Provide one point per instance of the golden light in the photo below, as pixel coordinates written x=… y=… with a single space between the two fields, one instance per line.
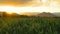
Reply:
x=53 y=7
x=18 y=10
x=6 y=8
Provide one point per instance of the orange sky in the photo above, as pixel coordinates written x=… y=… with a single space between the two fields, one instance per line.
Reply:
x=30 y=5
x=23 y=3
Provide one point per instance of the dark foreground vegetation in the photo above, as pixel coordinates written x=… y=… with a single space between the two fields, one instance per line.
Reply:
x=30 y=25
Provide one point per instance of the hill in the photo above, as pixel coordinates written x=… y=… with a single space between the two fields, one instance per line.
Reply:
x=44 y=14
x=57 y=14
x=37 y=14
x=29 y=14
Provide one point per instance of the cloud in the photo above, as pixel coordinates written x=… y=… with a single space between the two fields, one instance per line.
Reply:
x=23 y=1
x=17 y=1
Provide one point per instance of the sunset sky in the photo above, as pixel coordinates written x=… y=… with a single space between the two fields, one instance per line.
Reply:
x=30 y=5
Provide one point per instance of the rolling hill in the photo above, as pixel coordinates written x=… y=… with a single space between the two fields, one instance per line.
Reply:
x=36 y=14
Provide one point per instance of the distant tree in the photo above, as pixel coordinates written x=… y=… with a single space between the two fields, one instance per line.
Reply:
x=4 y=14
x=23 y=16
x=1 y=14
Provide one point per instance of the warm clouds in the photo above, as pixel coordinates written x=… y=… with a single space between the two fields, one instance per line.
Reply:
x=28 y=2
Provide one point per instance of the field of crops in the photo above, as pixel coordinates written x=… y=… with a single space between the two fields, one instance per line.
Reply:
x=31 y=25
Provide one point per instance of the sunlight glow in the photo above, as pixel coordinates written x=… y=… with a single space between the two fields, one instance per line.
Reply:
x=53 y=7
x=11 y=9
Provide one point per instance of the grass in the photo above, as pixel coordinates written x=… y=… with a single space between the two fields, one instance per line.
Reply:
x=31 y=25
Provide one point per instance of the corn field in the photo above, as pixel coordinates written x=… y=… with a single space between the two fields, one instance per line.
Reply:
x=31 y=25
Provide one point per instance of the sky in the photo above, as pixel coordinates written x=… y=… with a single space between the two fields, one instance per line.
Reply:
x=30 y=5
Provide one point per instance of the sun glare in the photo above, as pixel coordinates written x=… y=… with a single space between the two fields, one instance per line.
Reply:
x=10 y=9
x=52 y=8
x=22 y=9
